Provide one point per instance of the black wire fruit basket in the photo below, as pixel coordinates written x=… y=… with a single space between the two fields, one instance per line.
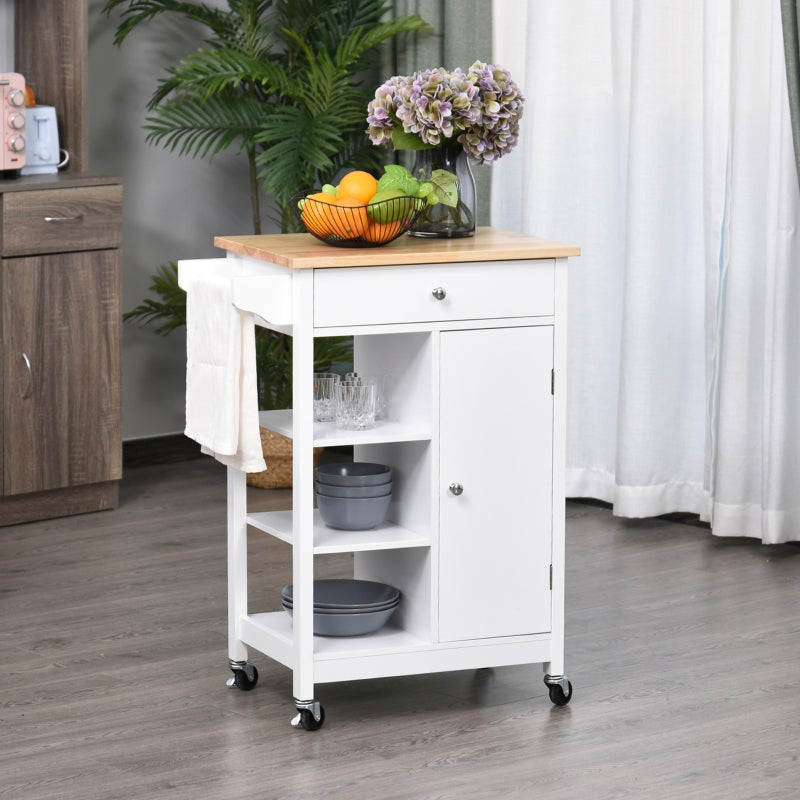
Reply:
x=347 y=223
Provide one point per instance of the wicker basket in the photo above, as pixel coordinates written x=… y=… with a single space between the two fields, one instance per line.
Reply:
x=278 y=455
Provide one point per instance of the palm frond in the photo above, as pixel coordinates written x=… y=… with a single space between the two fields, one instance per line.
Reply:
x=326 y=22
x=352 y=48
x=170 y=309
x=139 y=11
x=213 y=72
x=206 y=129
x=296 y=146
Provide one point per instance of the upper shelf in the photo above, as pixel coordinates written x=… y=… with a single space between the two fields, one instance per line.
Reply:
x=326 y=434
x=303 y=251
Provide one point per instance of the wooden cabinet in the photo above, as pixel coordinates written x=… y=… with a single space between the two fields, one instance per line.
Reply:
x=60 y=328
x=60 y=295
x=470 y=335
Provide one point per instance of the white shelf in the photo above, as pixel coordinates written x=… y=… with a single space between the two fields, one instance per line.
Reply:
x=326 y=434
x=388 y=651
x=277 y=626
x=386 y=536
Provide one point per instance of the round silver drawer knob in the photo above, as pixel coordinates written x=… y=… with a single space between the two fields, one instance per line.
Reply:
x=439 y=293
x=456 y=488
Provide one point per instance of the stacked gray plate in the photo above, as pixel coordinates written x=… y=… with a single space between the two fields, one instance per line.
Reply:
x=353 y=495
x=347 y=607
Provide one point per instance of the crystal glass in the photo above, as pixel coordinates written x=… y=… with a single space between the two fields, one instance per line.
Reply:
x=325 y=396
x=380 y=382
x=355 y=405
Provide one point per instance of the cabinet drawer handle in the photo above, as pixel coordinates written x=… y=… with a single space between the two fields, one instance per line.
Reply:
x=76 y=218
x=456 y=488
x=27 y=393
x=439 y=293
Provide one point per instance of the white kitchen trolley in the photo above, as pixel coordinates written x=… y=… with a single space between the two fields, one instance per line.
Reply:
x=471 y=336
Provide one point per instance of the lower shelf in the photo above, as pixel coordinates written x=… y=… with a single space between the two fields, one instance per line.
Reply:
x=389 y=651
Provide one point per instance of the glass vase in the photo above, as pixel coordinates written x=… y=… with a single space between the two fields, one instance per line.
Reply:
x=447 y=220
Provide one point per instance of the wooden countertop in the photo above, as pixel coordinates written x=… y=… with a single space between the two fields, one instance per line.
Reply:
x=303 y=251
x=55 y=180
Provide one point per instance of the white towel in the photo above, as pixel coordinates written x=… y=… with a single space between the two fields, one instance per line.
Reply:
x=221 y=393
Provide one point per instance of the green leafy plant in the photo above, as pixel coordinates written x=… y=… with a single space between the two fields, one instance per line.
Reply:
x=281 y=82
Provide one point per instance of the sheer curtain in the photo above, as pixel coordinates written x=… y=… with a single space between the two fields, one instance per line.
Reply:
x=657 y=137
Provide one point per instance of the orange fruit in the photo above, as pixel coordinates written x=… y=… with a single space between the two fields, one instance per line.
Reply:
x=380 y=232
x=348 y=218
x=315 y=213
x=358 y=185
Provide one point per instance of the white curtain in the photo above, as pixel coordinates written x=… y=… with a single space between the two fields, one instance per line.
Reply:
x=657 y=137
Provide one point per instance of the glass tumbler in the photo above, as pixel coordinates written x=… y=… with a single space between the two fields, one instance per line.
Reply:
x=380 y=382
x=325 y=396
x=355 y=405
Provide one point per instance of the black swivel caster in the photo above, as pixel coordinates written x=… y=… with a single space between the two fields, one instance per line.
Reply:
x=559 y=688
x=245 y=676
x=310 y=716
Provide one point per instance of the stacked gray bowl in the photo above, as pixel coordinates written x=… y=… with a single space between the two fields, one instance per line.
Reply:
x=346 y=607
x=353 y=495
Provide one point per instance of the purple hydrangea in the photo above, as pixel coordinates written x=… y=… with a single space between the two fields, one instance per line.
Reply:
x=480 y=109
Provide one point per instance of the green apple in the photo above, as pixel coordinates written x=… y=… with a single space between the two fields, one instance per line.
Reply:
x=400 y=207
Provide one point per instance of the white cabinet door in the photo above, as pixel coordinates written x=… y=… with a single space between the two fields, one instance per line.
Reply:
x=496 y=441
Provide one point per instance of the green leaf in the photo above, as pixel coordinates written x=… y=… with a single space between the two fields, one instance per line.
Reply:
x=398 y=177
x=444 y=187
x=408 y=141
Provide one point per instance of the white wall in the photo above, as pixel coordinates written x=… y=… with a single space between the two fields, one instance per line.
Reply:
x=173 y=206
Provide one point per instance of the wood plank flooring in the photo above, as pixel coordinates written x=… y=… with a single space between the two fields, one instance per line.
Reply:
x=682 y=649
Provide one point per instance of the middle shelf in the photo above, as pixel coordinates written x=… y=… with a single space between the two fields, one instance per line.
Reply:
x=386 y=536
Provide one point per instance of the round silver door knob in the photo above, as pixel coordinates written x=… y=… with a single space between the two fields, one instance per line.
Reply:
x=456 y=488
x=439 y=293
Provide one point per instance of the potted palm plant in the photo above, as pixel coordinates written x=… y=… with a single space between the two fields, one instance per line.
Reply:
x=283 y=82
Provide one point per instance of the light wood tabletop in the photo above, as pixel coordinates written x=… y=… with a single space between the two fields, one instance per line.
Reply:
x=303 y=251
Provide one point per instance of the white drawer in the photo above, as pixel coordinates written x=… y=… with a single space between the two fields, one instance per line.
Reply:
x=397 y=294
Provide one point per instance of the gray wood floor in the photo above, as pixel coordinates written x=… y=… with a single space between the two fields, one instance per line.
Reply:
x=682 y=648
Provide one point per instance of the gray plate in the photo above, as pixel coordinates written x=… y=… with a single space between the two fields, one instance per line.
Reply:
x=354 y=473
x=360 y=610
x=346 y=593
x=349 y=624
x=288 y=605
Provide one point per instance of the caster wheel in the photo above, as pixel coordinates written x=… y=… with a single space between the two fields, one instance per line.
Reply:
x=557 y=694
x=306 y=719
x=243 y=681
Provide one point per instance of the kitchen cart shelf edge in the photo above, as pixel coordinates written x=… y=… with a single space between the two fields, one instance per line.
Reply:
x=386 y=536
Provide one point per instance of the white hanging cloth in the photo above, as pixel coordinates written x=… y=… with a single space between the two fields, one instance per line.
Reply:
x=656 y=136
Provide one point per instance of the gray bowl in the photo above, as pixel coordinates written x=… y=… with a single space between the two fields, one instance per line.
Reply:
x=349 y=624
x=346 y=593
x=354 y=473
x=353 y=491
x=353 y=513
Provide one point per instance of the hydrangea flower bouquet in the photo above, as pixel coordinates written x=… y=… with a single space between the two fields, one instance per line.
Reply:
x=448 y=118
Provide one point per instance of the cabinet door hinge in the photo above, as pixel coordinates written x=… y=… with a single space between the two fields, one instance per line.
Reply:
x=551 y=577
x=552 y=381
